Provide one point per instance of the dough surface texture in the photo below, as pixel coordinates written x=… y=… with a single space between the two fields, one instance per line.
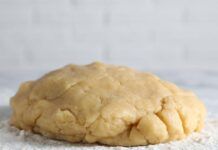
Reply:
x=107 y=104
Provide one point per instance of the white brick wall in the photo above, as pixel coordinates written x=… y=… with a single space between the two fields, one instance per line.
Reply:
x=140 y=33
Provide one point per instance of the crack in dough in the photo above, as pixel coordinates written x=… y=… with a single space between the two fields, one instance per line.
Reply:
x=182 y=121
x=107 y=104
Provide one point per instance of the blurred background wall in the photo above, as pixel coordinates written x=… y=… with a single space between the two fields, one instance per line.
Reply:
x=169 y=34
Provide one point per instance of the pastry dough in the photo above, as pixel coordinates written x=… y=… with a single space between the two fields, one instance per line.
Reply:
x=106 y=104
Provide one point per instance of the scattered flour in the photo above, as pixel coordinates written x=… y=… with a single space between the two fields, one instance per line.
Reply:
x=14 y=139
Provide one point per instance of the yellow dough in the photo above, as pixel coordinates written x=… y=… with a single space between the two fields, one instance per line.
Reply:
x=107 y=104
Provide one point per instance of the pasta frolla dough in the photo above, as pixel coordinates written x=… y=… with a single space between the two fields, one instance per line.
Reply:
x=107 y=104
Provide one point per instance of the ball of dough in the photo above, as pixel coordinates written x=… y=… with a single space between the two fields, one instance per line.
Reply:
x=112 y=105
